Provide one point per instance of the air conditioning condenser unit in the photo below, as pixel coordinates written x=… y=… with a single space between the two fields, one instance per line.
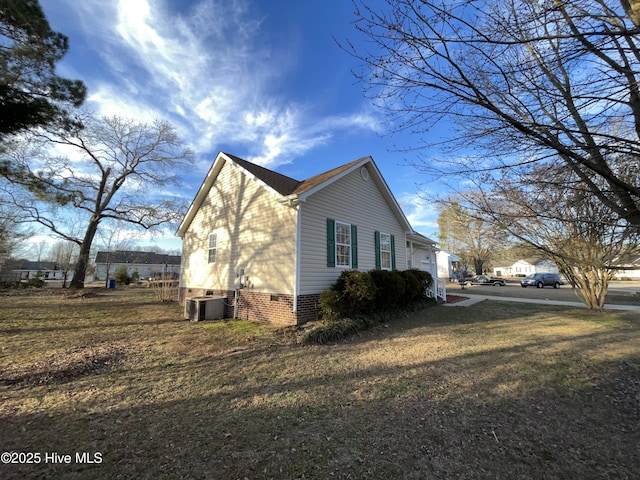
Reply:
x=204 y=308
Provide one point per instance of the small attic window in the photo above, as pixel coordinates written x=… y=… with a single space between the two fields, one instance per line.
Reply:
x=364 y=173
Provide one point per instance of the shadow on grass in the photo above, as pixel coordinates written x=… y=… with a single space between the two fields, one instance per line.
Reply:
x=539 y=432
x=496 y=395
x=74 y=327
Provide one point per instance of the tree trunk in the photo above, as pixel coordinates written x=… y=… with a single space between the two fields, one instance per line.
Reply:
x=478 y=265
x=83 y=258
x=592 y=288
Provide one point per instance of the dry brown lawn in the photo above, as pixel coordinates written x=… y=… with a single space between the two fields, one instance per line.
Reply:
x=496 y=391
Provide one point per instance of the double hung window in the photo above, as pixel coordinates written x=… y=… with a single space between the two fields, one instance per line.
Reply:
x=385 y=251
x=342 y=244
x=213 y=247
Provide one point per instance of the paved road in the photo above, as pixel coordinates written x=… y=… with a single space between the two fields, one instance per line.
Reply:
x=473 y=299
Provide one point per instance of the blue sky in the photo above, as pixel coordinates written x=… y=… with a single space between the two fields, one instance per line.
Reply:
x=264 y=80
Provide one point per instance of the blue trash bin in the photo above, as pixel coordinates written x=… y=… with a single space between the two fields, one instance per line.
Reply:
x=112 y=283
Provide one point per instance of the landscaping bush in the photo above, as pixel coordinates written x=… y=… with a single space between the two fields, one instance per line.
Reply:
x=412 y=287
x=339 y=329
x=121 y=276
x=35 y=282
x=359 y=300
x=390 y=288
x=356 y=293
x=330 y=304
x=416 y=284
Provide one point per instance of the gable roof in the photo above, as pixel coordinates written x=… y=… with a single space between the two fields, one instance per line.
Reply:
x=39 y=266
x=280 y=183
x=141 y=258
x=287 y=189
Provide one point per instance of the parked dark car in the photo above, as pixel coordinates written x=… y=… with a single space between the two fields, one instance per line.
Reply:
x=484 y=280
x=541 y=280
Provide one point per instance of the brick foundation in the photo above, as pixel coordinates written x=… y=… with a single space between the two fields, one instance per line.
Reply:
x=275 y=308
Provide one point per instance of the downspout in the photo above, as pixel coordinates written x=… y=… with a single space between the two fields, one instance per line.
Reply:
x=293 y=201
x=296 y=286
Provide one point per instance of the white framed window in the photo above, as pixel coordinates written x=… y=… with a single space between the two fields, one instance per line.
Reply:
x=213 y=248
x=343 y=244
x=385 y=251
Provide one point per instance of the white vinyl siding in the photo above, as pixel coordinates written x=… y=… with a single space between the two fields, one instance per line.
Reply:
x=213 y=248
x=253 y=230
x=352 y=200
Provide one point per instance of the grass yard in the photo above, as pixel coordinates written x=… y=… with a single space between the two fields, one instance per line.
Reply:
x=496 y=391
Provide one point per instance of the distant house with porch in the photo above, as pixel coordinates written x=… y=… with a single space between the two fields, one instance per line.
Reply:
x=146 y=264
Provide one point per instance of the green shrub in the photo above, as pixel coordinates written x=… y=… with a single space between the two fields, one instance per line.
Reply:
x=390 y=288
x=412 y=287
x=330 y=304
x=356 y=292
x=336 y=330
x=122 y=276
x=35 y=282
x=418 y=281
x=349 y=306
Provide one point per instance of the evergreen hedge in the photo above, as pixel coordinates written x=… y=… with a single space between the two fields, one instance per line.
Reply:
x=359 y=300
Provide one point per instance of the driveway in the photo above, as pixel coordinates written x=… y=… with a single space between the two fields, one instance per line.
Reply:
x=621 y=296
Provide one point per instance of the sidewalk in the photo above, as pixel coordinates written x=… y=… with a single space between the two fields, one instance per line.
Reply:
x=473 y=299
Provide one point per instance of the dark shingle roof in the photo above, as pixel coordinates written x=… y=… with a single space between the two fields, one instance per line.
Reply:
x=280 y=183
x=42 y=266
x=286 y=185
x=123 y=256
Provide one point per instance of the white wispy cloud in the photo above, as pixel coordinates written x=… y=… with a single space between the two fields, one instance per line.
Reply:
x=206 y=70
x=421 y=213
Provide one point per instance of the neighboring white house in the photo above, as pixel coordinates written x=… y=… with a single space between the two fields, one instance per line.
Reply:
x=271 y=244
x=448 y=265
x=47 y=270
x=524 y=267
x=630 y=268
x=146 y=264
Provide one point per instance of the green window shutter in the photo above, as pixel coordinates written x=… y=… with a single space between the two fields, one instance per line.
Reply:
x=331 y=243
x=377 y=240
x=354 y=246
x=393 y=253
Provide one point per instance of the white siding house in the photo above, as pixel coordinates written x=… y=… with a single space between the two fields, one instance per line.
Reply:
x=448 y=265
x=145 y=264
x=270 y=244
x=524 y=267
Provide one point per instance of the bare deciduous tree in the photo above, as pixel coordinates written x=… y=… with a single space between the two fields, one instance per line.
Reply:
x=64 y=253
x=524 y=81
x=473 y=239
x=553 y=211
x=116 y=169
